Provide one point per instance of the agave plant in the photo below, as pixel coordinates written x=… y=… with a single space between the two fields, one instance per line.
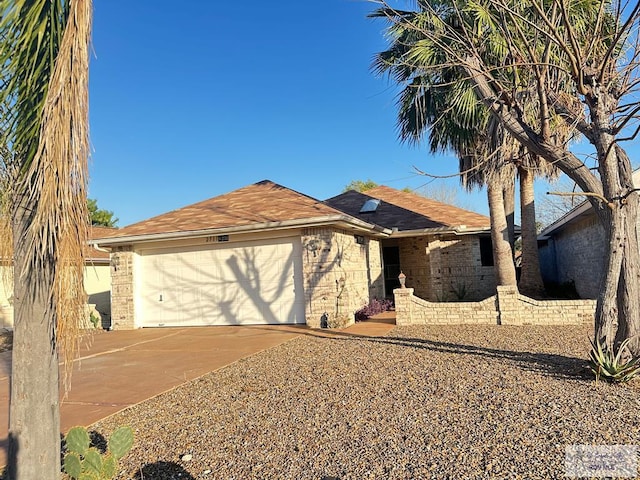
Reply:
x=606 y=363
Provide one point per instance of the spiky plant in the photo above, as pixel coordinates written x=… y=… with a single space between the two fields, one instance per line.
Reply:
x=84 y=462
x=606 y=363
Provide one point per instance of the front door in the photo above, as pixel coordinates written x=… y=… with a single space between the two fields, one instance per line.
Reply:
x=391 y=261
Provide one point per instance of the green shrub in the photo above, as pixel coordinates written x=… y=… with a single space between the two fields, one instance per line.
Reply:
x=84 y=462
x=459 y=291
x=94 y=319
x=607 y=364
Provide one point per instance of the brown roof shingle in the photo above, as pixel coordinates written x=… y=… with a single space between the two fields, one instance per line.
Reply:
x=95 y=232
x=407 y=211
x=261 y=202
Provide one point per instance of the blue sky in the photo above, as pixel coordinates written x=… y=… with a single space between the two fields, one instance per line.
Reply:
x=193 y=99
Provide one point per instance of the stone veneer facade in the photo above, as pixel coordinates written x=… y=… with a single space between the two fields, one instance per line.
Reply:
x=508 y=307
x=122 y=292
x=443 y=268
x=576 y=254
x=340 y=274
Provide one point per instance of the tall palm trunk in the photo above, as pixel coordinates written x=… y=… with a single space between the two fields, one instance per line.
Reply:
x=48 y=42
x=509 y=194
x=502 y=255
x=530 y=277
x=34 y=416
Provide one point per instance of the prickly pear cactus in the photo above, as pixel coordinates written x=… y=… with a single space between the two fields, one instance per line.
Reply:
x=84 y=462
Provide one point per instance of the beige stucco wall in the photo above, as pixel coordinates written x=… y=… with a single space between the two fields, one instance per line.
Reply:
x=6 y=310
x=97 y=284
x=340 y=274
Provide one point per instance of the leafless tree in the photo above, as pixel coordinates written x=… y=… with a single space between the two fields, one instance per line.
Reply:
x=578 y=62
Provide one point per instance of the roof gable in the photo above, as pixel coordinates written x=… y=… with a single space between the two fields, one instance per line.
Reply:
x=407 y=211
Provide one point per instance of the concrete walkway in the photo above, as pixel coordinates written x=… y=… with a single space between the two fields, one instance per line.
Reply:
x=122 y=368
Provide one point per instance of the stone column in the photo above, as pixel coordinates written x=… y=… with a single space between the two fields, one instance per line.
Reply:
x=404 y=305
x=508 y=305
x=122 y=301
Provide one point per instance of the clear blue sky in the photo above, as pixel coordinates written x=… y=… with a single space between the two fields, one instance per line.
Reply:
x=196 y=98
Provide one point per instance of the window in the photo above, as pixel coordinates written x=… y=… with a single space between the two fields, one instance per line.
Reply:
x=486 y=252
x=370 y=205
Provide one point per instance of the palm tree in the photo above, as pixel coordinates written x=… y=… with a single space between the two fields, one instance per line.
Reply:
x=445 y=107
x=581 y=60
x=44 y=61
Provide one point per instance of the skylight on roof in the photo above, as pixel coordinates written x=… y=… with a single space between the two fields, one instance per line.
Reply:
x=370 y=205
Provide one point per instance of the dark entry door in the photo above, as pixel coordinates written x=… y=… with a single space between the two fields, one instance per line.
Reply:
x=391 y=260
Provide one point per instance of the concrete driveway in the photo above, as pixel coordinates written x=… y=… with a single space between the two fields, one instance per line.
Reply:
x=123 y=368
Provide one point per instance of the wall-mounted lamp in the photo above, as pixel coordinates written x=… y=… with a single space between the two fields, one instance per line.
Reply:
x=115 y=263
x=402 y=278
x=313 y=246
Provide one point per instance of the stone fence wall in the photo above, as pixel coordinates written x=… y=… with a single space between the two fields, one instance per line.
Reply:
x=508 y=307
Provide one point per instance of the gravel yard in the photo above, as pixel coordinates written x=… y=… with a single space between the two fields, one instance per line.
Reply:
x=425 y=402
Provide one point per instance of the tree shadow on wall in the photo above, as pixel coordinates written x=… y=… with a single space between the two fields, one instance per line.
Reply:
x=246 y=277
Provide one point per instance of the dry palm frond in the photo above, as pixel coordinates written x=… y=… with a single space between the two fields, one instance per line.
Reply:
x=56 y=182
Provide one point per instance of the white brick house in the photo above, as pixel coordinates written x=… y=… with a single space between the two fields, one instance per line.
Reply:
x=265 y=254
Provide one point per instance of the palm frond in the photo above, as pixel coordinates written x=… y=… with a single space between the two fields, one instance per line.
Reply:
x=46 y=76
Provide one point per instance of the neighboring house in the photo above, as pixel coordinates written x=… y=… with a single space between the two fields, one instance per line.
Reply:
x=97 y=274
x=572 y=249
x=97 y=281
x=265 y=254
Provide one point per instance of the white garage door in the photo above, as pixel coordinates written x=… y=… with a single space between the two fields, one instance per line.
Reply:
x=244 y=283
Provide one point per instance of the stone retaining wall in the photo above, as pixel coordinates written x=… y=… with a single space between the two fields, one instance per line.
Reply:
x=508 y=307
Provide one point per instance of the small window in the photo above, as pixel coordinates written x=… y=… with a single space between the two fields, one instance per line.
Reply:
x=486 y=252
x=370 y=205
x=360 y=239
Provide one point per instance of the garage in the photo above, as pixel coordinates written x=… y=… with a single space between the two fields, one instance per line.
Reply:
x=244 y=283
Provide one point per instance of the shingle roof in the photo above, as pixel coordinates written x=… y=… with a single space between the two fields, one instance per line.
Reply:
x=261 y=202
x=92 y=253
x=407 y=211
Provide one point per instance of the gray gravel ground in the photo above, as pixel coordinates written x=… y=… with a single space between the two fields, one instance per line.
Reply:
x=458 y=402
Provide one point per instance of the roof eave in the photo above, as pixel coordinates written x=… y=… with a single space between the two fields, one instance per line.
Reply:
x=564 y=219
x=340 y=220
x=455 y=230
